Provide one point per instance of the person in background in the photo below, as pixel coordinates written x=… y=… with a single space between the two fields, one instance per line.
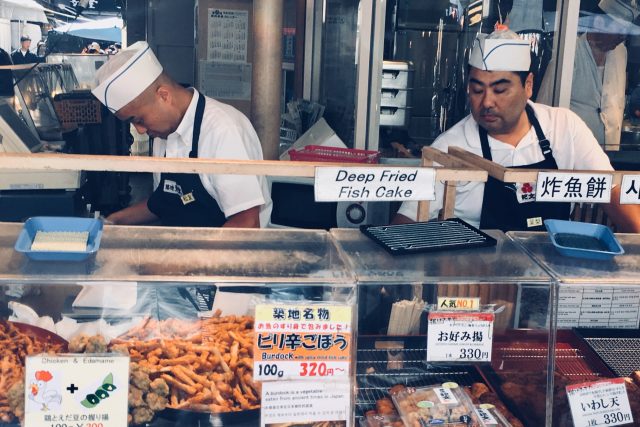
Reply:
x=95 y=48
x=23 y=55
x=599 y=72
x=41 y=50
x=185 y=124
x=506 y=127
x=6 y=76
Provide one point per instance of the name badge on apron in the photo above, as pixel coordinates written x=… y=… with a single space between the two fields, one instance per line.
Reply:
x=172 y=187
x=534 y=222
x=526 y=192
x=187 y=198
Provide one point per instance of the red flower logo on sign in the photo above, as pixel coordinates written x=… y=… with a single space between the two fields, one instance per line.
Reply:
x=527 y=188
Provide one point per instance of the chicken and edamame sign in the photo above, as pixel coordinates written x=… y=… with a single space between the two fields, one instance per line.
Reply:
x=76 y=391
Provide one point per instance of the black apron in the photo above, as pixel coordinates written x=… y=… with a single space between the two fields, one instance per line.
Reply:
x=500 y=206
x=181 y=199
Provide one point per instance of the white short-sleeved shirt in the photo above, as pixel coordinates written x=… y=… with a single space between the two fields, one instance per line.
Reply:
x=573 y=145
x=225 y=134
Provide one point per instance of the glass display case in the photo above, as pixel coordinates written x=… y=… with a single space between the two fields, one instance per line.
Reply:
x=597 y=316
x=395 y=354
x=34 y=103
x=84 y=66
x=179 y=302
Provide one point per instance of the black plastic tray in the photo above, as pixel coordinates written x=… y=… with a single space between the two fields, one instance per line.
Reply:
x=619 y=349
x=430 y=236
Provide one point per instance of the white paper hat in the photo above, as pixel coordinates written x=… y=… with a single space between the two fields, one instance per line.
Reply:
x=497 y=53
x=126 y=75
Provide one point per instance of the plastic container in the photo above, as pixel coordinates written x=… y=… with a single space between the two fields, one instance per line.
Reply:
x=396 y=75
x=395 y=98
x=490 y=416
x=43 y=223
x=583 y=240
x=319 y=153
x=441 y=405
x=394 y=116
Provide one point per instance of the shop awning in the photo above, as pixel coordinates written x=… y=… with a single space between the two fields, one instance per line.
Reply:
x=109 y=29
x=22 y=10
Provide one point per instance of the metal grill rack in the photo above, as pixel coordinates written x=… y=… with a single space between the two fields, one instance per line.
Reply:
x=375 y=377
x=570 y=361
x=622 y=355
x=429 y=236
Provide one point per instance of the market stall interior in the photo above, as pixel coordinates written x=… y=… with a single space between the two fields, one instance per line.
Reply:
x=328 y=317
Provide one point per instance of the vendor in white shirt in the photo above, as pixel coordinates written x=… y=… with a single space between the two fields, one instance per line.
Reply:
x=599 y=70
x=185 y=124
x=507 y=128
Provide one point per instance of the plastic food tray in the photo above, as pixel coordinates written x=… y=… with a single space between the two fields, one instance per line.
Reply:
x=319 y=153
x=583 y=240
x=42 y=223
x=430 y=236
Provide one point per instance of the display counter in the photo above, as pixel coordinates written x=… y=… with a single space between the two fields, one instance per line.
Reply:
x=180 y=303
x=509 y=285
x=597 y=319
x=273 y=327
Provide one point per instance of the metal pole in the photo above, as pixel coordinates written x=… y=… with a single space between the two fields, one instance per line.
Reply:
x=267 y=74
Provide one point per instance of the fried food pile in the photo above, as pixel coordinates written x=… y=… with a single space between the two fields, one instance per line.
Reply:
x=207 y=364
x=15 y=346
x=407 y=402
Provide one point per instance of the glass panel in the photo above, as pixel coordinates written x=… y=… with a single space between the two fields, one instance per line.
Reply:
x=597 y=315
x=179 y=338
x=606 y=73
x=435 y=38
x=176 y=297
x=392 y=347
x=338 y=66
x=35 y=99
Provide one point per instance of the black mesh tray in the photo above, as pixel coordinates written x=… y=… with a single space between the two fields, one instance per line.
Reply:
x=619 y=349
x=430 y=236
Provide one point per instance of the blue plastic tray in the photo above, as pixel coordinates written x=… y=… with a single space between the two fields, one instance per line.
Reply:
x=43 y=223
x=597 y=233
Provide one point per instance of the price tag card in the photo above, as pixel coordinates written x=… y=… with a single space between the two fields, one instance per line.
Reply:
x=302 y=341
x=630 y=191
x=573 y=187
x=76 y=391
x=458 y=303
x=459 y=337
x=360 y=184
x=600 y=403
x=306 y=402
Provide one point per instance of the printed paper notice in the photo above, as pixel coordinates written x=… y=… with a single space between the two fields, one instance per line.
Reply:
x=600 y=403
x=459 y=337
x=302 y=341
x=573 y=187
x=374 y=184
x=76 y=390
x=224 y=80
x=228 y=35
x=306 y=403
x=630 y=193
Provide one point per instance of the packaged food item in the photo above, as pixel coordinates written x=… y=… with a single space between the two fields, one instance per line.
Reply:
x=442 y=405
x=391 y=420
x=490 y=416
